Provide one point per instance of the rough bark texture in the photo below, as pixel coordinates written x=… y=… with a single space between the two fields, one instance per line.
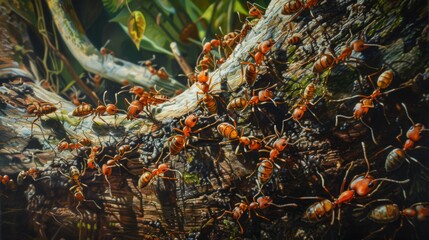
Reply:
x=214 y=177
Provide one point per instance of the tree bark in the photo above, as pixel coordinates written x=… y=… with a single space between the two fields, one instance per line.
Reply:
x=193 y=203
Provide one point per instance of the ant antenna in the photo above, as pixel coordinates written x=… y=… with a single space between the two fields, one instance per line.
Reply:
x=107 y=42
x=406 y=112
x=365 y=157
x=104 y=97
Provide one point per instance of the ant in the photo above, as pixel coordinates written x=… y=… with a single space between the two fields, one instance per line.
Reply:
x=361 y=186
x=149 y=64
x=104 y=52
x=254 y=10
x=389 y=212
x=228 y=131
x=31 y=172
x=259 y=203
x=209 y=94
x=262 y=97
x=358 y=45
x=261 y=51
x=300 y=108
x=75 y=96
x=296 y=7
x=77 y=188
x=397 y=156
x=367 y=102
x=148 y=176
x=177 y=142
x=110 y=109
x=39 y=109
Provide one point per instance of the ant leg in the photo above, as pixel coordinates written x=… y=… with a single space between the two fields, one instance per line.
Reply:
x=80 y=213
x=110 y=187
x=260 y=216
x=372 y=131
x=345 y=177
x=375 y=232
x=314 y=115
x=348 y=98
x=323 y=184
x=384 y=112
x=417 y=161
x=94 y=203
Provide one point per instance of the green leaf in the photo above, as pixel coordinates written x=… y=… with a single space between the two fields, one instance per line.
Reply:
x=113 y=6
x=166 y=6
x=136 y=27
x=149 y=44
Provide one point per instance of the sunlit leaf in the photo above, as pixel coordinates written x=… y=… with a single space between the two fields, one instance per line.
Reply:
x=136 y=27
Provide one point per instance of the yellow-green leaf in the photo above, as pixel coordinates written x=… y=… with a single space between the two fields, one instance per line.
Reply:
x=136 y=27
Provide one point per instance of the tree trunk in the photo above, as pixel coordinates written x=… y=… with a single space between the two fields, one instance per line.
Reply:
x=213 y=176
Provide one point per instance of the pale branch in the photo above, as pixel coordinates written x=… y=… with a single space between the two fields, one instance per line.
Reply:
x=90 y=58
x=229 y=73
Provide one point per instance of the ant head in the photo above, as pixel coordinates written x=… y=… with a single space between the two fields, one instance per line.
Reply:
x=298 y=112
x=207 y=47
x=280 y=144
x=85 y=141
x=203 y=76
x=359 y=45
x=91 y=163
x=191 y=120
x=265 y=95
x=62 y=146
x=363 y=185
x=163 y=168
x=254 y=11
x=414 y=133
x=111 y=109
x=264 y=202
x=266 y=45
x=162 y=73
x=137 y=90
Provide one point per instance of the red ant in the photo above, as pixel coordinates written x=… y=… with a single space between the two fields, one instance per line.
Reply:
x=148 y=177
x=397 y=156
x=300 y=108
x=265 y=168
x=104 y=52
x=367 y=102
x=77 y=188
x=254 y=11
x=390 y=212
x=228 y=131
x=177 y=142
x=260 y=203
x=297 y=7
x=361 y=186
